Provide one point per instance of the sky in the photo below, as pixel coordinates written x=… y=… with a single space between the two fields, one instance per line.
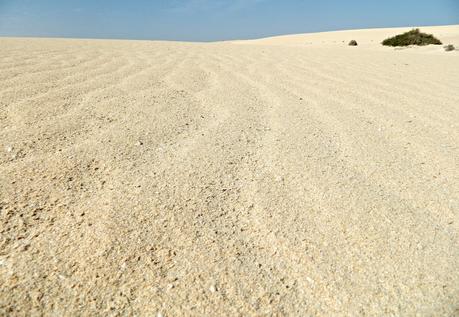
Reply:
x=211 y=20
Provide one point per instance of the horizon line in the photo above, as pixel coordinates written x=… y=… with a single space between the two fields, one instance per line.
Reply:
x=215 y=41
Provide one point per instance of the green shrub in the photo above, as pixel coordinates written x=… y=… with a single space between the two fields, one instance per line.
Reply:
x=449 y=48
x=413 y=37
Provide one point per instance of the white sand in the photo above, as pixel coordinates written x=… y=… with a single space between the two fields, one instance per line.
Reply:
x=276 y=178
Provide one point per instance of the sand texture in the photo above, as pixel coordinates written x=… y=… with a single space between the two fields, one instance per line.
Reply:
x=258 y=178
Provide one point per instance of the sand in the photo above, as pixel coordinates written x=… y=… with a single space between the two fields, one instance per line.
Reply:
x=258 y=178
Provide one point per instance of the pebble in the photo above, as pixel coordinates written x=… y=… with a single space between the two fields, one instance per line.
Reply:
x=9 y=149
x=212 y=289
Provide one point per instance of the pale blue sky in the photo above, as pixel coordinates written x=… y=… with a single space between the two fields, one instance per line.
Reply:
x=207 y=20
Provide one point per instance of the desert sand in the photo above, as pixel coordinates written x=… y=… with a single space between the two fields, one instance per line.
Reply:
x=285 y=176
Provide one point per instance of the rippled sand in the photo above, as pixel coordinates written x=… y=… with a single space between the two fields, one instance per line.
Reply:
x=270 y=177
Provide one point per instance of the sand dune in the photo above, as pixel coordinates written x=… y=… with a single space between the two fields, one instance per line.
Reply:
x=370 y=38
x=156 y=178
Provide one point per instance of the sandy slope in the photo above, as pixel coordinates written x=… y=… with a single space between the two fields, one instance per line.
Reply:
x=224 y=179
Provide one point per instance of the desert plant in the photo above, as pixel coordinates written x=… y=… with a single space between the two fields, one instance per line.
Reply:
x=413 y=37
x=353 y=43
x=449 y=48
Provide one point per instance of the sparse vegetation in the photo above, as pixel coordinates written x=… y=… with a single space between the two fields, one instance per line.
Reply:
x=449 y=48
x=353 y=43
x=413 y=37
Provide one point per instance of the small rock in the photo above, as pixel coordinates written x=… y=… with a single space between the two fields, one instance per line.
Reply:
x=353 y=43
x=139 y=143
x=449 y=48
x=212 y=288
x=9 y=149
